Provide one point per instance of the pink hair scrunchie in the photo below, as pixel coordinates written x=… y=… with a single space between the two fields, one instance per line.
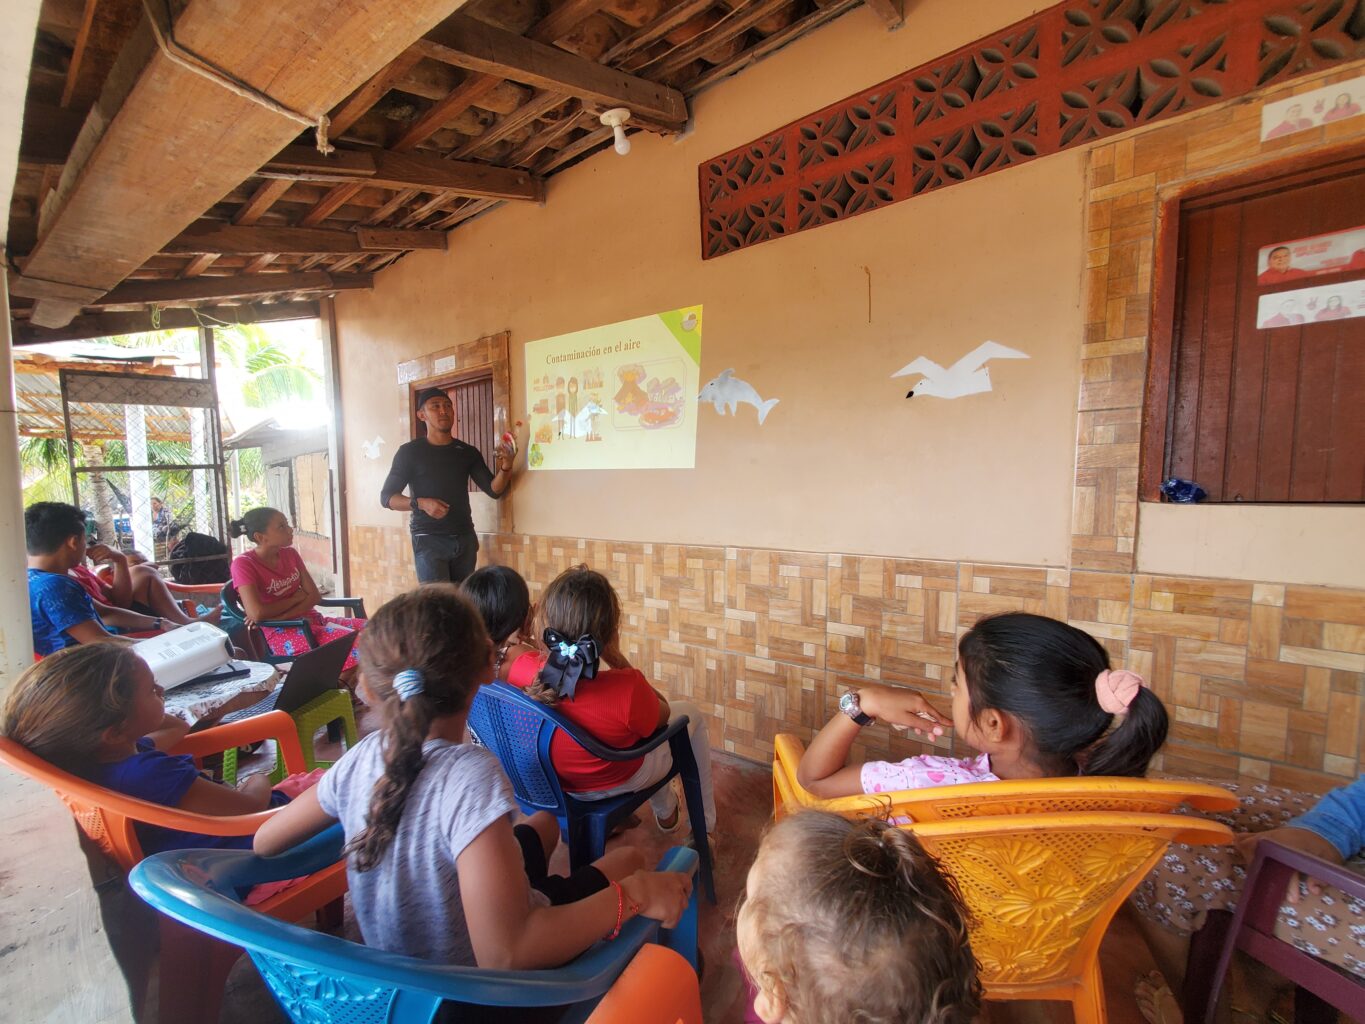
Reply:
x=1117 y=689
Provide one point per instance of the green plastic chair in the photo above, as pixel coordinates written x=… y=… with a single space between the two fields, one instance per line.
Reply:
x=322 y=710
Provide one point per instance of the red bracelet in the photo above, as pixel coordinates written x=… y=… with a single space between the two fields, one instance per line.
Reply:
x=621 y=909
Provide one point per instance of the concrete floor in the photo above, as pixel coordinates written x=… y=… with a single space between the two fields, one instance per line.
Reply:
x=744 y=807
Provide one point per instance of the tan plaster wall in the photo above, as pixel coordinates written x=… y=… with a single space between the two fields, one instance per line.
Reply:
x=1294 y=544
x=844 y=462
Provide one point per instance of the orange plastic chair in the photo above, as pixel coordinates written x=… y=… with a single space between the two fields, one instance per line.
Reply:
x=194 y=968
x=1042 y=889
x=658 y=987
x=976 y=799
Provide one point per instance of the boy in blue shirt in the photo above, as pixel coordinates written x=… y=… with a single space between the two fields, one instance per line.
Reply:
x=62 y=612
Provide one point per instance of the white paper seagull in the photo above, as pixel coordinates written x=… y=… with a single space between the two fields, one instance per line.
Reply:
x=967 y=376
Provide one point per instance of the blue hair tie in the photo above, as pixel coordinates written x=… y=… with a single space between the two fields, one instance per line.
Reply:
x=408 y=684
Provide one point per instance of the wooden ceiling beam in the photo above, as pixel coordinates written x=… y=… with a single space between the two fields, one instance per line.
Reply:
x=103 y=325
x=735 y=24
x=360 y=101
x=203 y=289
x=105 y=28
x=675 y=16
x=817 y=17
x=892 y=12
x=128 y=187
x=406 y=170
x=471 y=44
x=528 y=113
x=209 y=236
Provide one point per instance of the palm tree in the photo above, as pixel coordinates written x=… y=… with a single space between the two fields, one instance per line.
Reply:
x=255 y=372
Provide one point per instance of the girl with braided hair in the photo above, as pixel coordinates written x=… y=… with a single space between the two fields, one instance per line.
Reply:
x=436 y=868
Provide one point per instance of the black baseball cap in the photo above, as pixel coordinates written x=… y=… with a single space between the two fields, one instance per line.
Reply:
x=427 y=394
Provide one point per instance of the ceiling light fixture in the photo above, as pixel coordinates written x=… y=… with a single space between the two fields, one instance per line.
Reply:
x=614 y=119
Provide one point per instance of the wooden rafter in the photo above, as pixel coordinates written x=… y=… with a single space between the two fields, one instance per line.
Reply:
x=103 y=325
x=405 y=170
x=675 y=16
x=476 y=46
x=360 y=101
x=209 y=236
x=890 y=11
x=105 y=28
x=311 y=53
x=736 y=23
x=203 y=289
x=819 y=16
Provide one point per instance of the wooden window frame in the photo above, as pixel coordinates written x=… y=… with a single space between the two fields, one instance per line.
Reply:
x=1155 y=423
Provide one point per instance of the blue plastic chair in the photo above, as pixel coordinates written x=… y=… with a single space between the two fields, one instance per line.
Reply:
x=518 y=730
x=319 y=977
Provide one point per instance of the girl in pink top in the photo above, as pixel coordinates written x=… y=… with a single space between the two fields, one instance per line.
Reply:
x=1035 y=696
x=273 y=583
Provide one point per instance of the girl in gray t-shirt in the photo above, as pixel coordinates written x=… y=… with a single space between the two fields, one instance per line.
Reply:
x=436 y=868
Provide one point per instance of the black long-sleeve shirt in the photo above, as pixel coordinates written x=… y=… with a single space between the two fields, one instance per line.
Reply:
x=438 y=471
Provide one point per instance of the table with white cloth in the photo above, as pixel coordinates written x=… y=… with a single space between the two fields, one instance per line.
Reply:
x=205 y=703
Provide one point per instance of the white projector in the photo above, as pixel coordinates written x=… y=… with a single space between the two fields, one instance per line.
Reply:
x=185 y=653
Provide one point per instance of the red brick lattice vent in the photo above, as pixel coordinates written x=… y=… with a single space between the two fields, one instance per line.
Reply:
x=1077 y=72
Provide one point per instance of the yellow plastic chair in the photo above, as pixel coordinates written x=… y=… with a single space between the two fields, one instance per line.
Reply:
x=1042 y=889
x=977 y=799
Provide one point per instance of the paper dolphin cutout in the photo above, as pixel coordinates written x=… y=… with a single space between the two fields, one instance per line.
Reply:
x=967 y=376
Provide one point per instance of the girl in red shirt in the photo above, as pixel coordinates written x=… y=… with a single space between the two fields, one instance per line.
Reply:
x=581 y=616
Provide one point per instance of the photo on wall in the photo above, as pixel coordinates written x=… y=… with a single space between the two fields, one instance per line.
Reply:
x=1299 y=113
x=621 y=396
x=1298 y=258
x=1344 y=301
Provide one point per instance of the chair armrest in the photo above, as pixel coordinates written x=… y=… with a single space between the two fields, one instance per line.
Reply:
x=1348 y=881
x=597 y=749
x=275 y=725
x=214 y=590
x=356 y=604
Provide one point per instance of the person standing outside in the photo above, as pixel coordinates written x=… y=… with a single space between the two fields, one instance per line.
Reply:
x=436 y=470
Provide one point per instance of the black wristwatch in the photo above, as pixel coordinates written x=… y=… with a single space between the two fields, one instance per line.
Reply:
x=851 y=706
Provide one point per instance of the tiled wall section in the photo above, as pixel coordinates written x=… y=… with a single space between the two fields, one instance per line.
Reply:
x=1263 y=681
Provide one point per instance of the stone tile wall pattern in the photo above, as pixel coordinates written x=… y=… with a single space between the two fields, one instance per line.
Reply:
x=1263 y=680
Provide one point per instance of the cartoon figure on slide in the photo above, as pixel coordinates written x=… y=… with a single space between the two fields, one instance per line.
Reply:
x=726 y=392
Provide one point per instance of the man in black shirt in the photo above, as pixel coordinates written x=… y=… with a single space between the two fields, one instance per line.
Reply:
x=436 y=471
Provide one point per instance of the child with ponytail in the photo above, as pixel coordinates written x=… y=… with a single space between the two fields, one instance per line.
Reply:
x=1034 y=695
x=436 y=868
x=581 y=617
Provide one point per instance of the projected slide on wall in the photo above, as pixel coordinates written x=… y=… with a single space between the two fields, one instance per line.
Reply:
x=622 y=396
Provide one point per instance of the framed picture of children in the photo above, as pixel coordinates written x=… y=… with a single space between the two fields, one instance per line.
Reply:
x=1299 y=113
x=1325 y=303
x=1311 y=257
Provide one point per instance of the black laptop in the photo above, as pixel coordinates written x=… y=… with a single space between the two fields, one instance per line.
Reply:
x=312 y=674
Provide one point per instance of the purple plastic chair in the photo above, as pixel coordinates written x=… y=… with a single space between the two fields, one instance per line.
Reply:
x=1320 y=986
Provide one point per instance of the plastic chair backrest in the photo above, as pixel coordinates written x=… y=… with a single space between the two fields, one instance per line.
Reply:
x=1032 y=796
x=320 y=977
x=1042 y=888
x=108 y=817
x=1272 y=871
x=518 y=731
x=659 y=987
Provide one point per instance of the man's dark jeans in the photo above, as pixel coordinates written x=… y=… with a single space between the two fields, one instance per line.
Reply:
x=444 y=557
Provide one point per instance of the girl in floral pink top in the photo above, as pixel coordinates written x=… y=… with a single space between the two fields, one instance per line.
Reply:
x=273 y=583
x=1034 y=695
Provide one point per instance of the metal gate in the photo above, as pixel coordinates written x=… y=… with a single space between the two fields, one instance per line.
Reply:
x=171 y=480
